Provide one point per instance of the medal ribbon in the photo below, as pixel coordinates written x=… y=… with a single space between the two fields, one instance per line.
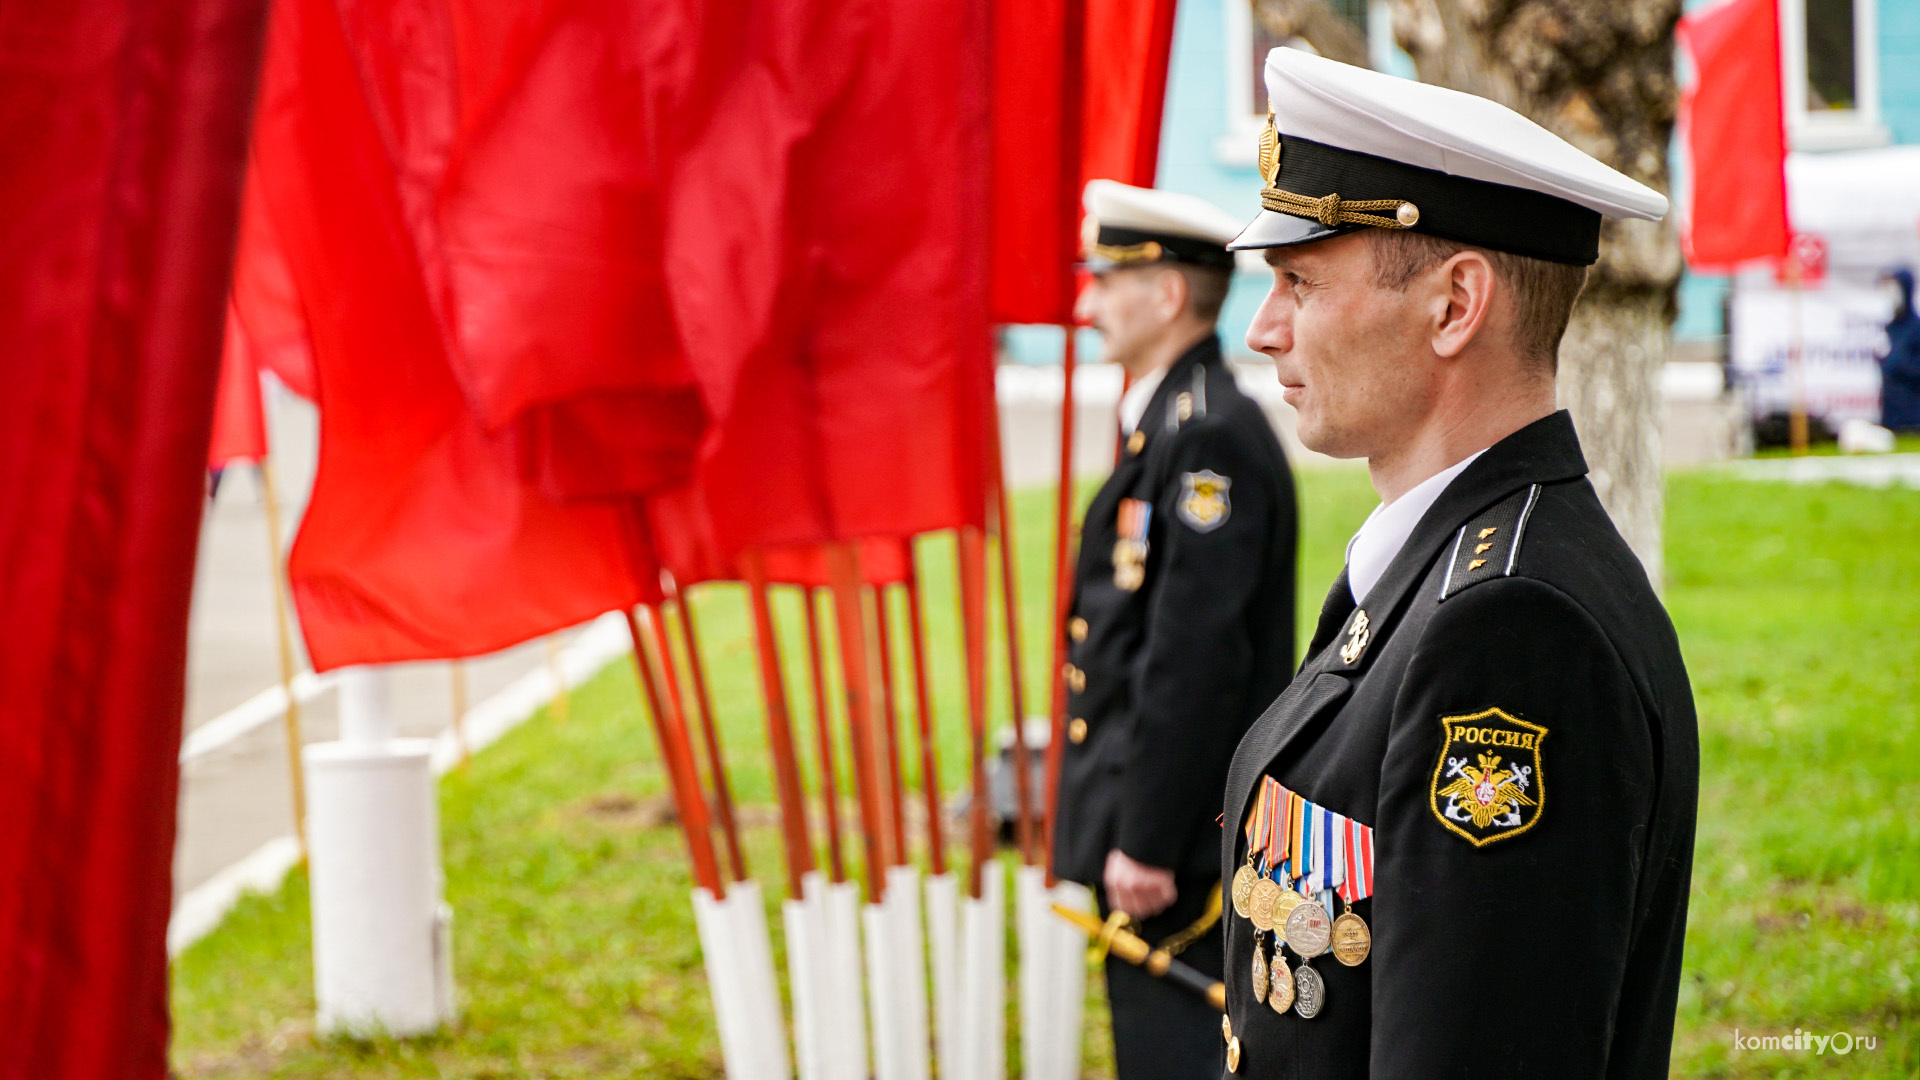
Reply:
x=1359 y=860
x=1303 y=848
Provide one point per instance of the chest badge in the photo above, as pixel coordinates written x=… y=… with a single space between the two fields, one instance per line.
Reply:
x=1204 y=505
x=1488 y=783
x=1130 y=546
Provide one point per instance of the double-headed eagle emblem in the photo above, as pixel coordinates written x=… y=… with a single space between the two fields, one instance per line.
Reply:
x=1487 y=793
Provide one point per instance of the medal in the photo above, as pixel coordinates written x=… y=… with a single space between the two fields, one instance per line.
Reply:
x=1308 y=930
x=1282 y=908
x=1309 y=992
x=1259 y=970
x=1352 y=938
x=1243 y=880
x=1260 y=903
x=1280 y=985
x=1352 y=941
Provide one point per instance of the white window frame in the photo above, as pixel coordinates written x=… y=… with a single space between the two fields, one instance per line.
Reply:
x=1239 y=145
x=1836 y=129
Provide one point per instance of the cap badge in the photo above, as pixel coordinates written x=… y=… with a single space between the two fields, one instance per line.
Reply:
x=1270 y=152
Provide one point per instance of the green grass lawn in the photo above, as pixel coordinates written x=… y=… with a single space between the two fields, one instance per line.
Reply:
x=1798 y=608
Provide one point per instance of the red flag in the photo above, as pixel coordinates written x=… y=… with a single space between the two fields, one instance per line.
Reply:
x=123 y=126
x=1734 y=133
x=1038 y=49
x=420 y=540
x=239 y=423
x=829 y=276
x=265 y=303
x=1128 y=45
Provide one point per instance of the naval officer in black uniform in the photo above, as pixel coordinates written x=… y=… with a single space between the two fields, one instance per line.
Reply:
x=1182 y=625
x=1493 y=714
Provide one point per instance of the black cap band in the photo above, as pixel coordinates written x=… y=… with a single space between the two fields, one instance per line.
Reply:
x=1118 y=247
x=1510 y=219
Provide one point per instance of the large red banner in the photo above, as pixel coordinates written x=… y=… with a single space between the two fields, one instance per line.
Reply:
x=123 y=126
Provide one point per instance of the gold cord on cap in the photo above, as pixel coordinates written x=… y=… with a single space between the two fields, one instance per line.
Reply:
x=1332 y=210
x=1146 y=252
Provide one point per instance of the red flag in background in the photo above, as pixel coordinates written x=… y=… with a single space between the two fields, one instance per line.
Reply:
x=264 y=303
x=1128 y=45
x=1038 y=52
x=123 y=128
x=829 y=276
x=420 y=540
x=552 y=217
x=1734 y=134
x=239 y=423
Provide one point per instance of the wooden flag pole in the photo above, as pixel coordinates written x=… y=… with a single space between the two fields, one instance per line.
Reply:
x=843 y=568
x=786 y=766
x=823 y=730
x=561 y=705
x=283 y=634
x=457 y=671
x=677 y=756
x=923 y=715
x=1024 y=832
x=973 y=626
x=675 y=702
x=1063 y=559
x=890 y=716
x=716 y=759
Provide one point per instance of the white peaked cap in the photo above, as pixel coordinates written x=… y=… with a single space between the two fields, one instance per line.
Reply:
x=1150 y=210
x=1356 y=111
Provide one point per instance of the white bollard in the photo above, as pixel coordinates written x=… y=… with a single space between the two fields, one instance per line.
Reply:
x=381 y=935
x=753 y=949
x=1033 y=925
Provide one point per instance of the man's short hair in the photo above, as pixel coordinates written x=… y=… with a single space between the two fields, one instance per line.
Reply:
x=1543 y=292
x=1207 y=288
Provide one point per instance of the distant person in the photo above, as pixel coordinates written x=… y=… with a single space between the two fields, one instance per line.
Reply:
x=1900 y=367
x=1181 y=629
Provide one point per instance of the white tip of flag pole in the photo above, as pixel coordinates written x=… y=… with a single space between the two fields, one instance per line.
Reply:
x=805 y=920
x=883 y=995
x=753 y=951
x=848 y=1045
x=1032 y=924
x=1067 y=989
x=983 y=979
x=943 y=946
x=730 y=1011
x=910 y=970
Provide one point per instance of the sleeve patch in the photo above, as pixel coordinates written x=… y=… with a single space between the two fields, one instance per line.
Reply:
x=1204 y=505
x=1488 y=783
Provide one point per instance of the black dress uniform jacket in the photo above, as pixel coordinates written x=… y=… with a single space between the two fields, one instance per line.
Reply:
x=1165 y=677
x=1514 y=627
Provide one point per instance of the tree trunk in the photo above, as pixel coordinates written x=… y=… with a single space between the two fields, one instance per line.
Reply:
x=1598 y=73
x=1315 y=23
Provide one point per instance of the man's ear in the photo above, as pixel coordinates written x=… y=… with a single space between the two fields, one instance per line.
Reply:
x=1169 y=294
x=1469 y=288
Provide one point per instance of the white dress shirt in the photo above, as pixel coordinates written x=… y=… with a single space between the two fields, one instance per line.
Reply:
x=1385 y=531
x=1133 y=403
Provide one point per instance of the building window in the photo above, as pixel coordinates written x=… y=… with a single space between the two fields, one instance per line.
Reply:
x=1830 y=64
x=1248 y=42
